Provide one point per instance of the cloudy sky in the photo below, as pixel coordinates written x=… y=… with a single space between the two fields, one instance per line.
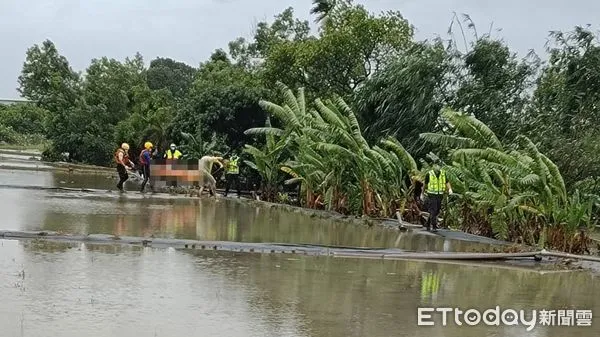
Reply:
x=189 y=30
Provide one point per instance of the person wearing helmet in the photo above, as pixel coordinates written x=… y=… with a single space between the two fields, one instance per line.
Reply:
x=123 y=164
x=436 y=185
x=172 y=152
x=232 y=174
x=145 y=158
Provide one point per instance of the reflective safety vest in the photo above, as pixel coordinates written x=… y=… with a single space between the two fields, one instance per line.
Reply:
x=173 y=155
x=232 y=167
x=436 y=185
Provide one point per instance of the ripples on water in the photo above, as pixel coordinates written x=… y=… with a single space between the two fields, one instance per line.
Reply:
x=51 y=289
x=132 y=215
x=79 y=290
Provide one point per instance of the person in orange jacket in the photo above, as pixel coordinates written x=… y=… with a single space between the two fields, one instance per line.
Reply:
x=123 y=164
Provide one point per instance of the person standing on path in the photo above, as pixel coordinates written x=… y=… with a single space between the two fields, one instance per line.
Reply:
x=123 y=164
x=435 y=186
x=145 y=158
x=232 y=174
x=171 y=155
x=173 y=152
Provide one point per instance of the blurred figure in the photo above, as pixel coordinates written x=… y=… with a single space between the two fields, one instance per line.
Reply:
x=232 y=174
x=172 y=154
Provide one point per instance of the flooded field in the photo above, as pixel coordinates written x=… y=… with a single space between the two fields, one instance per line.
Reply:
x=183 y=218
x=53 y=290
x=58 y=289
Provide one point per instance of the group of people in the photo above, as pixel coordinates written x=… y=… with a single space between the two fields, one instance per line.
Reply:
x=124 y=164
x=434 y=187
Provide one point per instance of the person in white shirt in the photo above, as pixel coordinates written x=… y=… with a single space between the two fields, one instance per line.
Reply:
x=205 y=166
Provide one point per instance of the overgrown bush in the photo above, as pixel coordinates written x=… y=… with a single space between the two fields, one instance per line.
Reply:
x=8 y=135
x=24 y=118
x=512 y=192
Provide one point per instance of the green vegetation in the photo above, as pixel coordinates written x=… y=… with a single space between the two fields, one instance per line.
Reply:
x=22 y=125
x=514 y=192
x=352 y=115
x=325 y=151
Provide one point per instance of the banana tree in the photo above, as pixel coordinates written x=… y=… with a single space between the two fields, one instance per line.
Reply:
x=347 y=143
x=268 y=162
x=194 y=147
x=331 y=159
x=518 y=193
x=309 y=168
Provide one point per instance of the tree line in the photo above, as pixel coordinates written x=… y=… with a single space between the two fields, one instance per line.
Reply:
x=517 y=133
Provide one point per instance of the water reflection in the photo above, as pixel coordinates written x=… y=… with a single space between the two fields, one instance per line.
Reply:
x=56 y=289
x=101 y=181
x=187 y=218
x=199 y=293
x=430 y=285
x=25 y=178
x=193 y=218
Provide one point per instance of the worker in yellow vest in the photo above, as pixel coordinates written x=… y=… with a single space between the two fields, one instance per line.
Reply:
x=435 y=186
x=173 y=152
x=232 y=174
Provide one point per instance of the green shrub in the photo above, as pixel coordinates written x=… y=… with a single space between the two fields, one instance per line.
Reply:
x=24 y=118
x=8 y=135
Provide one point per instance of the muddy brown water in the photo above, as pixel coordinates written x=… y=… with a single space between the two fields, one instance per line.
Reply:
x=53 y=290
x=134 y=214
x=57 y=289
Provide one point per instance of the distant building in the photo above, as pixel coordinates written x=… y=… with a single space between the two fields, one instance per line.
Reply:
x=8 y=101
